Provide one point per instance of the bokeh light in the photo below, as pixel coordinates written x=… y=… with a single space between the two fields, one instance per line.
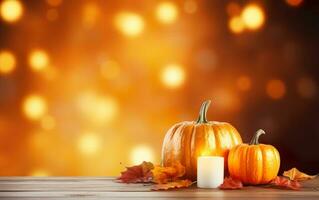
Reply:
x=11 y=10
x=7 y=62
x=39 y=173
x=89 y=143
x=38 y=60
x=276 y=89
x=173 y=76
x=98 y=109
x=141 y=153
x=225 y=100
x=97 y=77
x=294 y=3
x=167 y=12
x=34 y=107
x=130 y=24
x=236 y=25
x=253 y=16
x=243 y=83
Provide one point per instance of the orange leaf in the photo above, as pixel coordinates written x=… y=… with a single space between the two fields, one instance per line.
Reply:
x=137 y=174
x=168 y=174
x=284 y=182
x=171 y=185
x=231 y=184
x=296 y=175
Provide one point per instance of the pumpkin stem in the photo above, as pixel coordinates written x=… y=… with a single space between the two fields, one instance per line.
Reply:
x=255 y=139
x=203 y=112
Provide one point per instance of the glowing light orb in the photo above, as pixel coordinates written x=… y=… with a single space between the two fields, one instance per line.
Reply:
x=226 y=100
x=130 y=24
x=294 y=3
x=98 y=109
x=11 y=10
x=38 y=60
x=190 y=6
x=34 y=107
x=167 y=12
x=140 y=154
x=47 y=122
x=7 y=62
x=276 y=89
x=106 y=109
x=253 y=16
x=244 y=83
x=236 y=25
x=40 y=173
x=89 y=143
x=173 y=76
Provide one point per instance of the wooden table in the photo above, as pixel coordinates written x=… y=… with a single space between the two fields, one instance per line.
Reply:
x=106 y=188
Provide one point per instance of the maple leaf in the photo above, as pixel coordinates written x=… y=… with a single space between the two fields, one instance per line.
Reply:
x=296 y=175
x=167 y=174
x=171 y=185
x=137 y=174
x=231 y=184
x=284 y=182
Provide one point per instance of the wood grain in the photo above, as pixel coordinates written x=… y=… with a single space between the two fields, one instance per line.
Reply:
x=107 y=188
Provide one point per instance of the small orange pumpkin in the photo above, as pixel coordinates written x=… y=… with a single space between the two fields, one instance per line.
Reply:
x=185 y=141
x=254 y=163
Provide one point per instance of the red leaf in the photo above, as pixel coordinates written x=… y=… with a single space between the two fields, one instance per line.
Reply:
x=137 y=174
x=171 y=185
x=285 y=183
x=231 y=184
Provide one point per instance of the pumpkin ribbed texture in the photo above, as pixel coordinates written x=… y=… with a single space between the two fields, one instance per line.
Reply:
x=254 y=163
x=185 y=141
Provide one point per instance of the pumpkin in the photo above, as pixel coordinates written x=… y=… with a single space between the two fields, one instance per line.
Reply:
x=185 y=141
x=254 y=163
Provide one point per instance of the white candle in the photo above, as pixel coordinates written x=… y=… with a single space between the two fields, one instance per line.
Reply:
x=210 y=171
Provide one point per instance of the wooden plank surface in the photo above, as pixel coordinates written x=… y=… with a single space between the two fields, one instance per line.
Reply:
x=106 y=188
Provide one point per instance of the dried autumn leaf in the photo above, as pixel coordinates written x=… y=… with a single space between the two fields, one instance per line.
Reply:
x=137 y=174
x=171 y=185
x=296 y=175
x=285 y=183
x=168 y=174
x=231 y=184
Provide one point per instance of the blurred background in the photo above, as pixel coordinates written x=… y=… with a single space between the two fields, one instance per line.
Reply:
x=88 y=87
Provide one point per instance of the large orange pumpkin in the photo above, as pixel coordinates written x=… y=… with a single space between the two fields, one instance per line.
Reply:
x=254 y=163
x=185 y=141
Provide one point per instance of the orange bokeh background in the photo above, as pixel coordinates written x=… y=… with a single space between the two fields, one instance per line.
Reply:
x=89 y=87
